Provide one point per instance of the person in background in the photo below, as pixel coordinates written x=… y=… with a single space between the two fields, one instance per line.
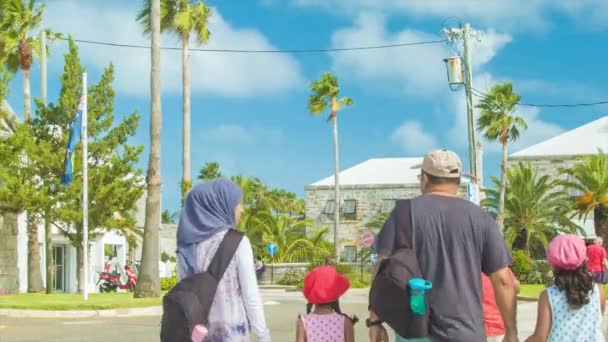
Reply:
x=596 y=260
x=324 y=321
x=495 y=326
x=259 y=268
x=572 y=308
x=211 y=209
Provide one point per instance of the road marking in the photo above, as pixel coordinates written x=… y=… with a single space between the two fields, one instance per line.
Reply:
x=80 y=322
x=271 y=302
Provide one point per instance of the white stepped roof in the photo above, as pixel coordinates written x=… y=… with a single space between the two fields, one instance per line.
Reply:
x=583 y=140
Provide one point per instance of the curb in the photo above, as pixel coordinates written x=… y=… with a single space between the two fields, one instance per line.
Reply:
x=527 y=299
x=132 y=312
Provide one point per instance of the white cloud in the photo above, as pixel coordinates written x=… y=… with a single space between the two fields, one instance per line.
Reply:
x=417 y=70
x=413 y=139
x=211 y=73
x=505 y=14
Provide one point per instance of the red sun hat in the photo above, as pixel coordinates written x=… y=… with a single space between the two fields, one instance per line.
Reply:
x=324 y=285
x=566 y=252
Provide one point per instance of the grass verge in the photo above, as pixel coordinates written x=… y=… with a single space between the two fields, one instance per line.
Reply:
x=63 y=302
x=533 y=291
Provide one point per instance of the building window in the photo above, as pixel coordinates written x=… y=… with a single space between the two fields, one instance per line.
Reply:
x=350 y=254
x=330 y=207
x=388 y=205
x=349 y=210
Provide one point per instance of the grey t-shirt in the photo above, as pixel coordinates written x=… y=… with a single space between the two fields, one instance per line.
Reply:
x=455 y=240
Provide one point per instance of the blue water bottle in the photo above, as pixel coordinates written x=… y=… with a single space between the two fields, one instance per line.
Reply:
x=418 y=288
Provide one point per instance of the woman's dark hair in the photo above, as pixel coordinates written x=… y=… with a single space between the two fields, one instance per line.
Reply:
x=577 y=284
x=336 y=307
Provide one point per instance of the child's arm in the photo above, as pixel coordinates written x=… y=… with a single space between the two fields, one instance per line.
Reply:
x=349 y=330
x=300 y=333
x=543 y=320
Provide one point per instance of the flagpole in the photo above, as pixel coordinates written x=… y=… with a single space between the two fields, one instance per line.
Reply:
x=85 y=190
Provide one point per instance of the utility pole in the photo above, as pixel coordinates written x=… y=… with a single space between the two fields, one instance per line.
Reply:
x=468 y=85
x=48 y=249
x=465 y=33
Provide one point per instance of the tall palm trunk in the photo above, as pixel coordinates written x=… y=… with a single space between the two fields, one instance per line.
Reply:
x=34 y=274
x=148 y=284
x=336 y=188
x=500 y=217
x=186 y=178
x=600 y=222
x=48 y=253
x=27 y=95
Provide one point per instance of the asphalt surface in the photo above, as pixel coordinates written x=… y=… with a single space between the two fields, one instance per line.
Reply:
x=281 y=310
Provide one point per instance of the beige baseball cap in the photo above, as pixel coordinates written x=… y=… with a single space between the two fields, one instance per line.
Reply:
x=442 y=163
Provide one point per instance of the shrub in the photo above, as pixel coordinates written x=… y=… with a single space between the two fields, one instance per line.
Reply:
x=541 y=273
x=292 y=277
x=167 y=284
x=522 y=265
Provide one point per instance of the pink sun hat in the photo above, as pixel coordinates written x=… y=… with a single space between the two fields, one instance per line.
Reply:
x=566 y=252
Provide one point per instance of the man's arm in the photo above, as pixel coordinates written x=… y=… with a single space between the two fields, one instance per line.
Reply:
x=505 y=292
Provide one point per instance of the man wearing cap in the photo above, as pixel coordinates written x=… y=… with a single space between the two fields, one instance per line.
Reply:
x=455 y=241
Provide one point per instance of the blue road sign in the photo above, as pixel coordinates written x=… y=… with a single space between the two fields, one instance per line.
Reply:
x=272 y=248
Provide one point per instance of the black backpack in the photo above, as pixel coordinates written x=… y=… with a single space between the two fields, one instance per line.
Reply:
x=389 y=294
x=189 y=303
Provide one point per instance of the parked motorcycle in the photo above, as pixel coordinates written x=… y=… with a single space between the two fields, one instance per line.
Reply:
x=111 y=281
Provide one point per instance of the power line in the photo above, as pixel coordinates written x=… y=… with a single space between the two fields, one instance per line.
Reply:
x=481 y=94
x=357 y=48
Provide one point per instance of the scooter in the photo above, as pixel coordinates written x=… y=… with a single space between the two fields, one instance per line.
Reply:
x=110 y=281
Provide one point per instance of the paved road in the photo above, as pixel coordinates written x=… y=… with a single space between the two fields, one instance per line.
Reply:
x=281 y=311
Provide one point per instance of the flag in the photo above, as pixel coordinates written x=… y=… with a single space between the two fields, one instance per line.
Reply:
x=75 y=131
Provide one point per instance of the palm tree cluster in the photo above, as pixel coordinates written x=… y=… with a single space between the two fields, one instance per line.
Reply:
x=531 y=208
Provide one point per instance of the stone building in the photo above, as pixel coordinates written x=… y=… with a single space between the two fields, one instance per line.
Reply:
x=368 y=190
x=563 y=150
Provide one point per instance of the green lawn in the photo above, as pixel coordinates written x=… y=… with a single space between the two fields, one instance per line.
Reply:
x=97 y=301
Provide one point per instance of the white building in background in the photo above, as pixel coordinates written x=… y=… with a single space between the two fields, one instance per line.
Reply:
x=13 y=243
x=563 y=150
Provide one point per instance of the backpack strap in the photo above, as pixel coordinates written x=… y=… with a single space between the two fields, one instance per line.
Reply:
x=224 y=253
x=404 y=234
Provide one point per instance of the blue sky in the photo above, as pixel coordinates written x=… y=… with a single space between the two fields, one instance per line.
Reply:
x=249 y=110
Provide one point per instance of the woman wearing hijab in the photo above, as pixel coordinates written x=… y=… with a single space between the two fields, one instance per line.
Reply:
x=211 y=209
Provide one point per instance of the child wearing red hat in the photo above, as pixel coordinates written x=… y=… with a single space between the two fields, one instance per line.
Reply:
x=572 y=308
x=324 y=321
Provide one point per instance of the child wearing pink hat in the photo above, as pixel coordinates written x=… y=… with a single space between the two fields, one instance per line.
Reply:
x=324 y=321
x=571 y=309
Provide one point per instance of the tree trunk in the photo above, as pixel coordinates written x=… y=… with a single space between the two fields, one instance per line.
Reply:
x=186 y=178
x=48 y=260
x=79 y=268
x=148 y=284
x=600 y=222
x=34 y=274
x=27 y=101
x=500 y=217
x=336 y=189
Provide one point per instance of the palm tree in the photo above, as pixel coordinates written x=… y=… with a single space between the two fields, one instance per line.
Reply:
x=498 y=123
x=590 y=177
x=168 y=217
x=210 y=171
x=183 y=17
x=289 y=235
x=534 y=210
x=325 y=92
x=148 y=284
